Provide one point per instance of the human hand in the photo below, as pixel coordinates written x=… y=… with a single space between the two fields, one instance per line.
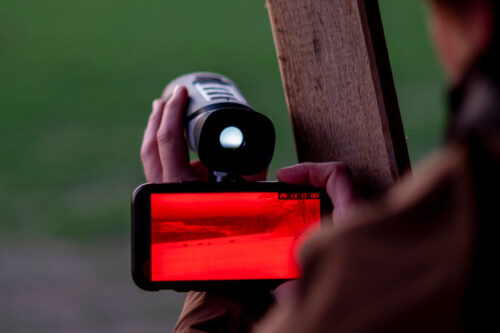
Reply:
x=164 y=151
x=335 y=177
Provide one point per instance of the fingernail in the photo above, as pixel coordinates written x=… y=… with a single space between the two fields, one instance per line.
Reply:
x=176 y=90
x=285 y=169
x=157 y=102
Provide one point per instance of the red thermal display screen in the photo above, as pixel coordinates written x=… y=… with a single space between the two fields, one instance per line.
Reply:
x=229 y=236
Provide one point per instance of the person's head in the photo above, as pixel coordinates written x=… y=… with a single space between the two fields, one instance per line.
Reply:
x=463 y=32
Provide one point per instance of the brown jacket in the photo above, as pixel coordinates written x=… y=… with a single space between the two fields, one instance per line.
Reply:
x=417 y=260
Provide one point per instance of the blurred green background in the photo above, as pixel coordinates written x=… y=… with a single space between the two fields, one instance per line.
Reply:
x=77 y=79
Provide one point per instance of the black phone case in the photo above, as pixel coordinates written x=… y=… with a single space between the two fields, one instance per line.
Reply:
x=141 y=232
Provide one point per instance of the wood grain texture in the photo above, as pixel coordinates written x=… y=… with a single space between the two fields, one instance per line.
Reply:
x=339 y=87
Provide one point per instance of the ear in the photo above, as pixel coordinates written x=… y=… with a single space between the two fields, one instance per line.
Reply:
x=461 y=34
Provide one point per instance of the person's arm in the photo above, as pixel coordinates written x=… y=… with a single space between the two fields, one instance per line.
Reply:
x=400 y=265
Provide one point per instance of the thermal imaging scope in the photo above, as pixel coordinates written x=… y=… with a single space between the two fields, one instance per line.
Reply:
x=228 y=135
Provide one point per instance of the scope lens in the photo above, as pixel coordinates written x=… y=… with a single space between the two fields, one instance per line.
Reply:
x=231 y=137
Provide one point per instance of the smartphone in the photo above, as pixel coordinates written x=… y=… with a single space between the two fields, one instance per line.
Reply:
x=199 y=236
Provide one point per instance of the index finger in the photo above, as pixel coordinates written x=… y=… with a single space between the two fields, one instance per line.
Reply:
x=149 y=150
x=172 y=146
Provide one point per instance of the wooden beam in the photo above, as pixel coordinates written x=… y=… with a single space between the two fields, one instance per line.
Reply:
x=339 y=87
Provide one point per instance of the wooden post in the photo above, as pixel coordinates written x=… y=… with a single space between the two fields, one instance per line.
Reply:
x=339 y=87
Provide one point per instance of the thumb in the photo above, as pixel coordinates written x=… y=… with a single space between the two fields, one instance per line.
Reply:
x=335 y=177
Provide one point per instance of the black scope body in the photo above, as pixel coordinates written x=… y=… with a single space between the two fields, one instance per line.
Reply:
x=222 y=128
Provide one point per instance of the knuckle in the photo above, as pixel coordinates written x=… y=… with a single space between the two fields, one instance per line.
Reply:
x=166 y=135
x=341 y=167
x=146 y=153
x=332 y=171
x=308 y=165
x=338 y=167
x=148 y=149
x=340 y=171
x=171 y=105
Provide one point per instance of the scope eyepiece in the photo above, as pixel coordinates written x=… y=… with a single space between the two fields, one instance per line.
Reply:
x=222 y=128
x=231 y=138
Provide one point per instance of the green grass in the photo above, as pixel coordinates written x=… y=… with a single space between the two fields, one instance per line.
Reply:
x=77 y=79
